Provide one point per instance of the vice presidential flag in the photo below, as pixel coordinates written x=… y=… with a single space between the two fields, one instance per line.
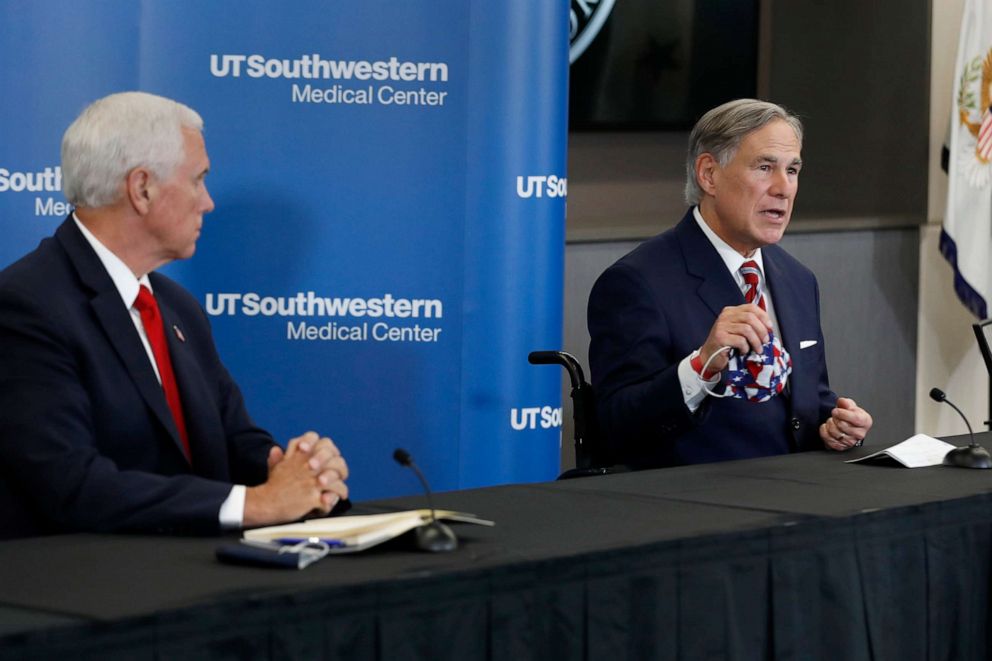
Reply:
x=966 y=238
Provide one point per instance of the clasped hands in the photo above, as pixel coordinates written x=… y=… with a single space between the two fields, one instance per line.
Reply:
x=745 y=328
x=308 y=478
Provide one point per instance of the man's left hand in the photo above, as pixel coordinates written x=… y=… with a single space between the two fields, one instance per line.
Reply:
x=847 y=426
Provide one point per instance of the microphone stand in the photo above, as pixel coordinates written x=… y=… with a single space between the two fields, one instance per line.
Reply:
x=983 y=347
x=972 y=455
x=434 y=536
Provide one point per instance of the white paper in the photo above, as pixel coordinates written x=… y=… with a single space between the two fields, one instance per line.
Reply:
x=915 y=452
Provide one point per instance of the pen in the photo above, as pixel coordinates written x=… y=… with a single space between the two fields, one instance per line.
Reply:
x=290 y=541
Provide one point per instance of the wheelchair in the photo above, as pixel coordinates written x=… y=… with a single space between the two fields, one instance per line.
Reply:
x=592 y=455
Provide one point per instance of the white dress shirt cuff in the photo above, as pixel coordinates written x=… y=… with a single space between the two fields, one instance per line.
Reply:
x=693 y=391
x=232 y=511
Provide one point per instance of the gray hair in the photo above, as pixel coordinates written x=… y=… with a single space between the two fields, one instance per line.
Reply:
x=719 y=132
x=116 y=134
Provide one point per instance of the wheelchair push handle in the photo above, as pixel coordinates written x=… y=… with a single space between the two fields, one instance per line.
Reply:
x=566 y=360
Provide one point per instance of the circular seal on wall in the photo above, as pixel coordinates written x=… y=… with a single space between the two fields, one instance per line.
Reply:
x=585 y=20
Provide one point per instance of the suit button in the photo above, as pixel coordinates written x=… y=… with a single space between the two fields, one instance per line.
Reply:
x=795 y=424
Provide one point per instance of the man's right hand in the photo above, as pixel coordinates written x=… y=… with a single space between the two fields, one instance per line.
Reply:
x=308 y=478
x=743 y=327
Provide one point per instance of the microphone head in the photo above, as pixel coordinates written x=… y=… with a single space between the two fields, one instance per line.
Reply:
x=937 y=395
x=402 y=457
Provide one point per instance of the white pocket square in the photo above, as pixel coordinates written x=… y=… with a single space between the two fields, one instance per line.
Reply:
x=806 y=344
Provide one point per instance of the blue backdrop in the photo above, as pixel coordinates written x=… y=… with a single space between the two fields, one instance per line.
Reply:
x=389 y=180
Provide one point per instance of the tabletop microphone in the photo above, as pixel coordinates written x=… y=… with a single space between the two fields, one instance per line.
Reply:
x=972 y=455
x=433 y=536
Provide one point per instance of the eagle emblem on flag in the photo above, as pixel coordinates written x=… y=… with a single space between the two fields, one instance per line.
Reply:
x=974 y=105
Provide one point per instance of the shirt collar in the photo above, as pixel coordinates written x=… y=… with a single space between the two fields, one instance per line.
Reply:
x=733 y=259
x=127 y=285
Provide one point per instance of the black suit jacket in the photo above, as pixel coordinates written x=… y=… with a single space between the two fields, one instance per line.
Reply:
x=655 y=306
x=87 y=441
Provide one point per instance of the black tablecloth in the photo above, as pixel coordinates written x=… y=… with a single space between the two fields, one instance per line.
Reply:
x=801 y=556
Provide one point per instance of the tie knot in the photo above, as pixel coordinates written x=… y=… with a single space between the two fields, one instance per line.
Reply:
x=145 y=300
x=750 y=272
x=752 y=283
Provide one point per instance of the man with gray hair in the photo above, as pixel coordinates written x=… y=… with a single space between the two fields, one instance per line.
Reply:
x=705 y=340
x=116 y=413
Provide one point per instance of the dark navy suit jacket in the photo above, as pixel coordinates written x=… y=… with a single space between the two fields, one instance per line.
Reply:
x=655 y=306
x=87 y=441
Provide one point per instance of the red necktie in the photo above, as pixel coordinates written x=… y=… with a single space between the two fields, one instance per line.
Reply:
x=151 y=318
x=752 y=282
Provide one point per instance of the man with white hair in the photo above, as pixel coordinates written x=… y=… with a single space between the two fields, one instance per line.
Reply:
x=116 y=413
x=705 y=340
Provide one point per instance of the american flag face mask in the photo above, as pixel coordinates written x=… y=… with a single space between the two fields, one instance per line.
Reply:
x=757 y=377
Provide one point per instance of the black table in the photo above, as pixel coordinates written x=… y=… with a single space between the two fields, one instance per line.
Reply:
x=800 y=556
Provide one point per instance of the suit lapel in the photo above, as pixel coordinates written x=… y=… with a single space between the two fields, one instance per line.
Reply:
x=209 y=458
x=786 y=300
x=115 y=319
x=716 y=288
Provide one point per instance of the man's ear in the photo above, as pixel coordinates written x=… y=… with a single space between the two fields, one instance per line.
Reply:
x=706 y=168
x=138 y=183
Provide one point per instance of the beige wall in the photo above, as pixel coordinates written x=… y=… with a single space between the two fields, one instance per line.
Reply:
x=947 y=355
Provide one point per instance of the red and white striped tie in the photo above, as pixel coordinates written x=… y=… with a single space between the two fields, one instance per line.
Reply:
x=752 y=282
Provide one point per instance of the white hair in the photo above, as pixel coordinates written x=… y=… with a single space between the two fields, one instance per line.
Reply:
x=720 y=131
x=116 y=134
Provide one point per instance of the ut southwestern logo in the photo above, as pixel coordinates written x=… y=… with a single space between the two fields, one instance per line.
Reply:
x=542 y=186
x=49 y=180
x=533 y=416
x=310 y=304
x=313 y=66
